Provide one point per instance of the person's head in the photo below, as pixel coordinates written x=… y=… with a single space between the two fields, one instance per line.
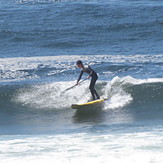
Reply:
x=79 y=64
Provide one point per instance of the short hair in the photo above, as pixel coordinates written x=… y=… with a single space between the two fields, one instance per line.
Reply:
x=79 y=62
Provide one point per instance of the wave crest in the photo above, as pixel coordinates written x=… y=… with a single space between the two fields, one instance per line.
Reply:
x=120 y=91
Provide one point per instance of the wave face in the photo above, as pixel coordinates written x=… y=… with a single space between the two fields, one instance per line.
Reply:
x=130 y=99
x=52 y=96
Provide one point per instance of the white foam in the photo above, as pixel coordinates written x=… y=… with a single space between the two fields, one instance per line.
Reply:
x=134 y=147
x=133 y=81
x=53 y=95
x=115 y=90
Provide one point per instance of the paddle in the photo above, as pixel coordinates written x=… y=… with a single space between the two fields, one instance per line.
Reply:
x=75 y=85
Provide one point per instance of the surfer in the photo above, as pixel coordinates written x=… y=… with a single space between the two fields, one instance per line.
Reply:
x=93 y=76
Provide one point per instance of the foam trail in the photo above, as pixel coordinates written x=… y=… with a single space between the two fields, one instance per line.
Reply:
x=52 y=95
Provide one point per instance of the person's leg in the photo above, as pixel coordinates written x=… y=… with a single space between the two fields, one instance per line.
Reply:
x=97 y=96
x=91 y=87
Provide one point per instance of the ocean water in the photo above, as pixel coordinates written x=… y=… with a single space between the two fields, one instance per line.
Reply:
x=40 y=42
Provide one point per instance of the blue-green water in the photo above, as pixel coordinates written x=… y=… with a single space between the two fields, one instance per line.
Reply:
x=40 y=42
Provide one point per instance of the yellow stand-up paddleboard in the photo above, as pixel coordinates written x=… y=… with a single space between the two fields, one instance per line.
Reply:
x=88 y=105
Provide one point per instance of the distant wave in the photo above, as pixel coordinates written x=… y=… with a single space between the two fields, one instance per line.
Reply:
x=45 y=1
x=108 y=66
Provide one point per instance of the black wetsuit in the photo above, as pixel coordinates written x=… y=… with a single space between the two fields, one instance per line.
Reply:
x=94 y=78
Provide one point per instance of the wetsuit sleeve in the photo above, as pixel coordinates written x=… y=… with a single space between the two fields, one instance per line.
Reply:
x=81 y=73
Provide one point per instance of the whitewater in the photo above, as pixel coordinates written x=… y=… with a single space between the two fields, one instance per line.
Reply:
x=40 y=42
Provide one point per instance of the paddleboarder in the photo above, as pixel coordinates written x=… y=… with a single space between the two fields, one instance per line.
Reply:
x=92 y=75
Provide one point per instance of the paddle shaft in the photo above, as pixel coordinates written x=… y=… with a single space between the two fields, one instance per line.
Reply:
x=75 y=85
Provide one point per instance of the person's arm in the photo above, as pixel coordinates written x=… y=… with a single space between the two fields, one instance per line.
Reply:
x=81 y=73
